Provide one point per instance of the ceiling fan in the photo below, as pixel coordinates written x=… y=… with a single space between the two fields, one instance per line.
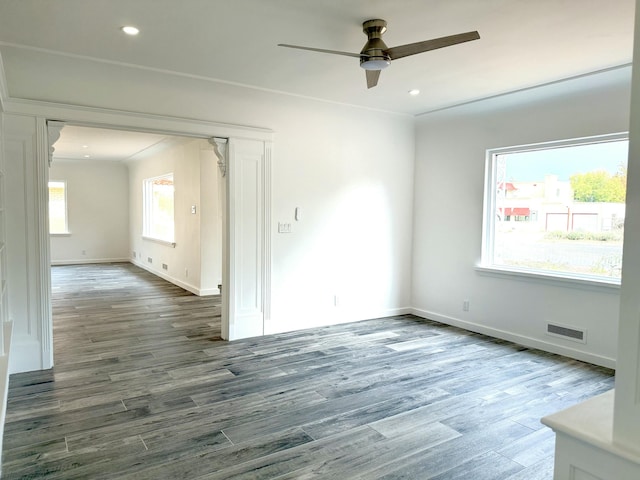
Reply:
x=375 y=55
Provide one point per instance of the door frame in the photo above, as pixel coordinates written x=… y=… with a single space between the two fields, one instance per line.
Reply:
x=94 y=117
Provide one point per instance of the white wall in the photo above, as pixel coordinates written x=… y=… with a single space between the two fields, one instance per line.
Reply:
x=210 y=210
x=350 y=173
x=97 y=209
x=195 y=179
x=449 y=192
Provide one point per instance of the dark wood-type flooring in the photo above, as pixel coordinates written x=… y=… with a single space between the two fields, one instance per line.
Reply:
x=143 y=388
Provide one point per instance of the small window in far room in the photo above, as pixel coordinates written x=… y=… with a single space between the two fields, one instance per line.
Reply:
x=557 y=208
x=158 y=198
x=58 y=208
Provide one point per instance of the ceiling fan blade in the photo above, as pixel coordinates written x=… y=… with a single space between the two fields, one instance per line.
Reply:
x=372 y=78
x=425 y=46
x=322 y=50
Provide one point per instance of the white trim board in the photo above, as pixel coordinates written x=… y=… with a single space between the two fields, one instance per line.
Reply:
x=76 y=261
x=123 y=120
x=187 y=286
x=4 y=91
x=523 y=340
x=4 y=379
x=280 y=325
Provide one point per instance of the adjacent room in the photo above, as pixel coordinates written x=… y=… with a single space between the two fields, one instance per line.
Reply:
x=370 y=217
x=153 y=200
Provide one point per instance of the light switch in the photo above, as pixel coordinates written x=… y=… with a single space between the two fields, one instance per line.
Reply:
x=298 y=214
x=193 y=209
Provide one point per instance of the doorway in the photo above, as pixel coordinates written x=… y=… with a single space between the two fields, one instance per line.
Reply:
x=151 y=199
x=246 y=159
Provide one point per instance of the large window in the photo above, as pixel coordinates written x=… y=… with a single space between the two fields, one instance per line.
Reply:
x=58 y=208
x=158 y=208
x=557 y=208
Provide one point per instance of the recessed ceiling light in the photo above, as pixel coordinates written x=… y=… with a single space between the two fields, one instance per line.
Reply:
x=87 y=156
x=85 y=146
x=130 y=30
x=414 y=92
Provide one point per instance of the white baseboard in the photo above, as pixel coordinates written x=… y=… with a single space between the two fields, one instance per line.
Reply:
x=4 y=379
x=517 y=338
x=187 y=286
x=280 y=325
x=208 y=291
x=387 y=312
x=83 y=261
x=26 y=354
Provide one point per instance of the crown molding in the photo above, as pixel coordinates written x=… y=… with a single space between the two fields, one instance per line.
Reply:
x=506 y=94
x=126 y=120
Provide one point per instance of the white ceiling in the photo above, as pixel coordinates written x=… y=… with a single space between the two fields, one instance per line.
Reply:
x=100 y=144
x=523 y=43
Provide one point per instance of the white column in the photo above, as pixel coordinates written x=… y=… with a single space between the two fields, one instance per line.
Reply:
x=28 y=260
x=626 y=425
x=246 y=230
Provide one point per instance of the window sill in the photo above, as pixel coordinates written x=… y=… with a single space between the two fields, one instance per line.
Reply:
x=67 y=234
x=602 y=285
x=161 y=242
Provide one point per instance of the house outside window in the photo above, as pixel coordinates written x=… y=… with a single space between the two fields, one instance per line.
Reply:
x=58 y=224
x=557 y=208
x=158 y=208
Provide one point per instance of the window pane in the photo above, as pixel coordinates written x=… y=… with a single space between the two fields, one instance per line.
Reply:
x=560 y=208
x=159 y=202
x=57 y=208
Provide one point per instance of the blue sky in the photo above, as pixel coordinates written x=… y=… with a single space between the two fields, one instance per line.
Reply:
x=533 y=165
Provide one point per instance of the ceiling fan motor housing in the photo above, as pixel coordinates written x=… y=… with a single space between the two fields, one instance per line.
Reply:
x=375 y=48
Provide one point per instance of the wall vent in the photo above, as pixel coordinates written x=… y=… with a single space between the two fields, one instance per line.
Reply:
x=149 y=259
x=568 y=333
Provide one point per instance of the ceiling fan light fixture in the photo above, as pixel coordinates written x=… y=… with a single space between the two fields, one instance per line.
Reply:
x=375 y=63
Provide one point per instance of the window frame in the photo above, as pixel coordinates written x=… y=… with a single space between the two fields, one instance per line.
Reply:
x=66 y=231
x=147 y=210
x=487 y=265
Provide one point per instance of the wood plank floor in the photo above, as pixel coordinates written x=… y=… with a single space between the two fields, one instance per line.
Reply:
x=143 y=388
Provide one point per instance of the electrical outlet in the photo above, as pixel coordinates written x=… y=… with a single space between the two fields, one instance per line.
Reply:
x=186 y=273
x=336 y=301
x=84 y=252
x=165 y=266
x=284 y=227
x=149 y=259
x=134 y=254
x=465 y=305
